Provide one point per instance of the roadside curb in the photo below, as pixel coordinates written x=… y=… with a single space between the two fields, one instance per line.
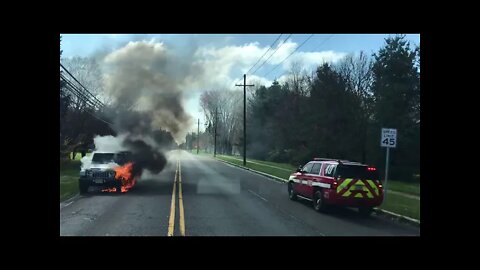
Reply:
x=69 y=200
x=278 y=179
x=406 y=219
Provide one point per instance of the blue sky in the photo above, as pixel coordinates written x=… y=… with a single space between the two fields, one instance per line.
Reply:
x=226 y=57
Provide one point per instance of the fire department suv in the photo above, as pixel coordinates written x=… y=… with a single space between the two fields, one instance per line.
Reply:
x=337 y=182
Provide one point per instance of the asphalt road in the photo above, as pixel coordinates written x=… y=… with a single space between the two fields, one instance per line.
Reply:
x=212 y=199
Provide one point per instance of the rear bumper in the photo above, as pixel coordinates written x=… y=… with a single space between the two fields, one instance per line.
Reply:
x=103 y=182
x=331 y=197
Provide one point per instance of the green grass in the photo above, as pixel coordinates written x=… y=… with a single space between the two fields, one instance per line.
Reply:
x=409 y=188
x=69 y=173
x=258 y=167
x=285 y=166
x=402 y=205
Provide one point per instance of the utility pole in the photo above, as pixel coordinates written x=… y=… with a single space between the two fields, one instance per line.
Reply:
x=215 y=136
x=198 y=134
x=244 y=117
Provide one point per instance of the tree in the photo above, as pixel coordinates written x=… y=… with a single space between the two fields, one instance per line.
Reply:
x=396 y=90
x=224 y=109
x=357 y=73
x=64 y=104
x=333 y=113
x=87 y=71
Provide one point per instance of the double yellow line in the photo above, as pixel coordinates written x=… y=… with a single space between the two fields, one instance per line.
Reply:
x=171 y=222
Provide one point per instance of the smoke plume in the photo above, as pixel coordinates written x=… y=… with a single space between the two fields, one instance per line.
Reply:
x=145 y=77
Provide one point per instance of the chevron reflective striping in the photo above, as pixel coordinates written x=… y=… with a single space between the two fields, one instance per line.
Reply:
x=344 y=184
x=374 y=187
x=353 y=189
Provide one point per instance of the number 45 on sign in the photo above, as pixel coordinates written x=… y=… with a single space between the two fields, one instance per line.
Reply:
x=389 y=138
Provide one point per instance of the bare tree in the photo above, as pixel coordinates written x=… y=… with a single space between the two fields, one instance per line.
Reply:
x=297 y=79
x=87 y=71
x=357 y=73
x=228 y=106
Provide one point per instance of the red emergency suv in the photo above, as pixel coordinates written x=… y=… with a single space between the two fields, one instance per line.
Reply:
x=329 y=182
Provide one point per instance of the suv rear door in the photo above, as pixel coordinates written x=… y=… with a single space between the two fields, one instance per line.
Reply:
x=356 y=181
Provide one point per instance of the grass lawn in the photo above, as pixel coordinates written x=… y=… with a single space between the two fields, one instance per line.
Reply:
x=69 y=173
x=402 y=205
x=409 y=188
x=266 y=168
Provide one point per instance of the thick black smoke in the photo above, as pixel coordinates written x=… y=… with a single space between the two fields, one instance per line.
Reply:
x=146 y=77
x=145 y=156
x=146 y=81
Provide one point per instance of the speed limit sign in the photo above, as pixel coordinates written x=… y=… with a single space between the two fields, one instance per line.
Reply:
x=389 y=140
x=389 y=137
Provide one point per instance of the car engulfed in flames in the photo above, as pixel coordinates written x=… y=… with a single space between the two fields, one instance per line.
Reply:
x=123 y=174
x=112 y=172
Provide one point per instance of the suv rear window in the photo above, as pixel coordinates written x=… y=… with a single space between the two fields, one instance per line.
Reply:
x=355 y=171
x=103 y=158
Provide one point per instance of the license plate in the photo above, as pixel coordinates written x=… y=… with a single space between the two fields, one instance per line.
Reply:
x=98 y=181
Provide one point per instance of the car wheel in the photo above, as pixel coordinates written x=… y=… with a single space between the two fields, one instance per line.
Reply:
x=291 y=192
x=318 y=203
x=83 y=188
x=118 y=188
x=365 y=211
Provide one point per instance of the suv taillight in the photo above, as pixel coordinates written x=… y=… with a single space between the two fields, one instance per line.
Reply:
x=379 y=184
x=335 y=183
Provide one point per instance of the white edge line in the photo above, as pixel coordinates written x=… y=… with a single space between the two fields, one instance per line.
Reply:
x=257 y=195
x=266 y=175
x=69 y=201
x=416 y=221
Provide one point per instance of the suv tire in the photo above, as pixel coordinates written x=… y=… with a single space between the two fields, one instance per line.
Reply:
x=118 y=188
x=318 y=203
x=365 y=211
x=82 y=187
x=292 y=195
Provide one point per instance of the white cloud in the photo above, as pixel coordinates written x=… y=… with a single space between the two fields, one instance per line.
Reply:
x=222 y=67
x=313 y=59
x=220 y=64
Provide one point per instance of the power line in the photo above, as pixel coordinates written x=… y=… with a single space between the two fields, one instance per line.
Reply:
x=234 y=81
x=88 y=92
x=285 y=40
x=78 y=93
x=289 y=55
x=84 y=88
x=271 y=46
x=323 y=42
x=74 y=89
x=98 y=118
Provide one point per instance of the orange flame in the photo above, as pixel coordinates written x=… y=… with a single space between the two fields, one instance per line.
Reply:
x=124 y=171
x=124 y=174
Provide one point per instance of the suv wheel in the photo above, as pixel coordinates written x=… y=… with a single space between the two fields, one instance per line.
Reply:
x=365 y=211
x=118 y=188
x=318 y=203
x=291 y=192
x=82 y=187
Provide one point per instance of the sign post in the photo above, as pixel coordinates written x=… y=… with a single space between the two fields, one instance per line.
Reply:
x=388 y=140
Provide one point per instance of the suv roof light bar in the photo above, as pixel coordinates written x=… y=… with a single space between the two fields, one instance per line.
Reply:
x=331 y=159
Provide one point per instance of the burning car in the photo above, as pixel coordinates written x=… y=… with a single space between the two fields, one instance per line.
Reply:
x=112 y=171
